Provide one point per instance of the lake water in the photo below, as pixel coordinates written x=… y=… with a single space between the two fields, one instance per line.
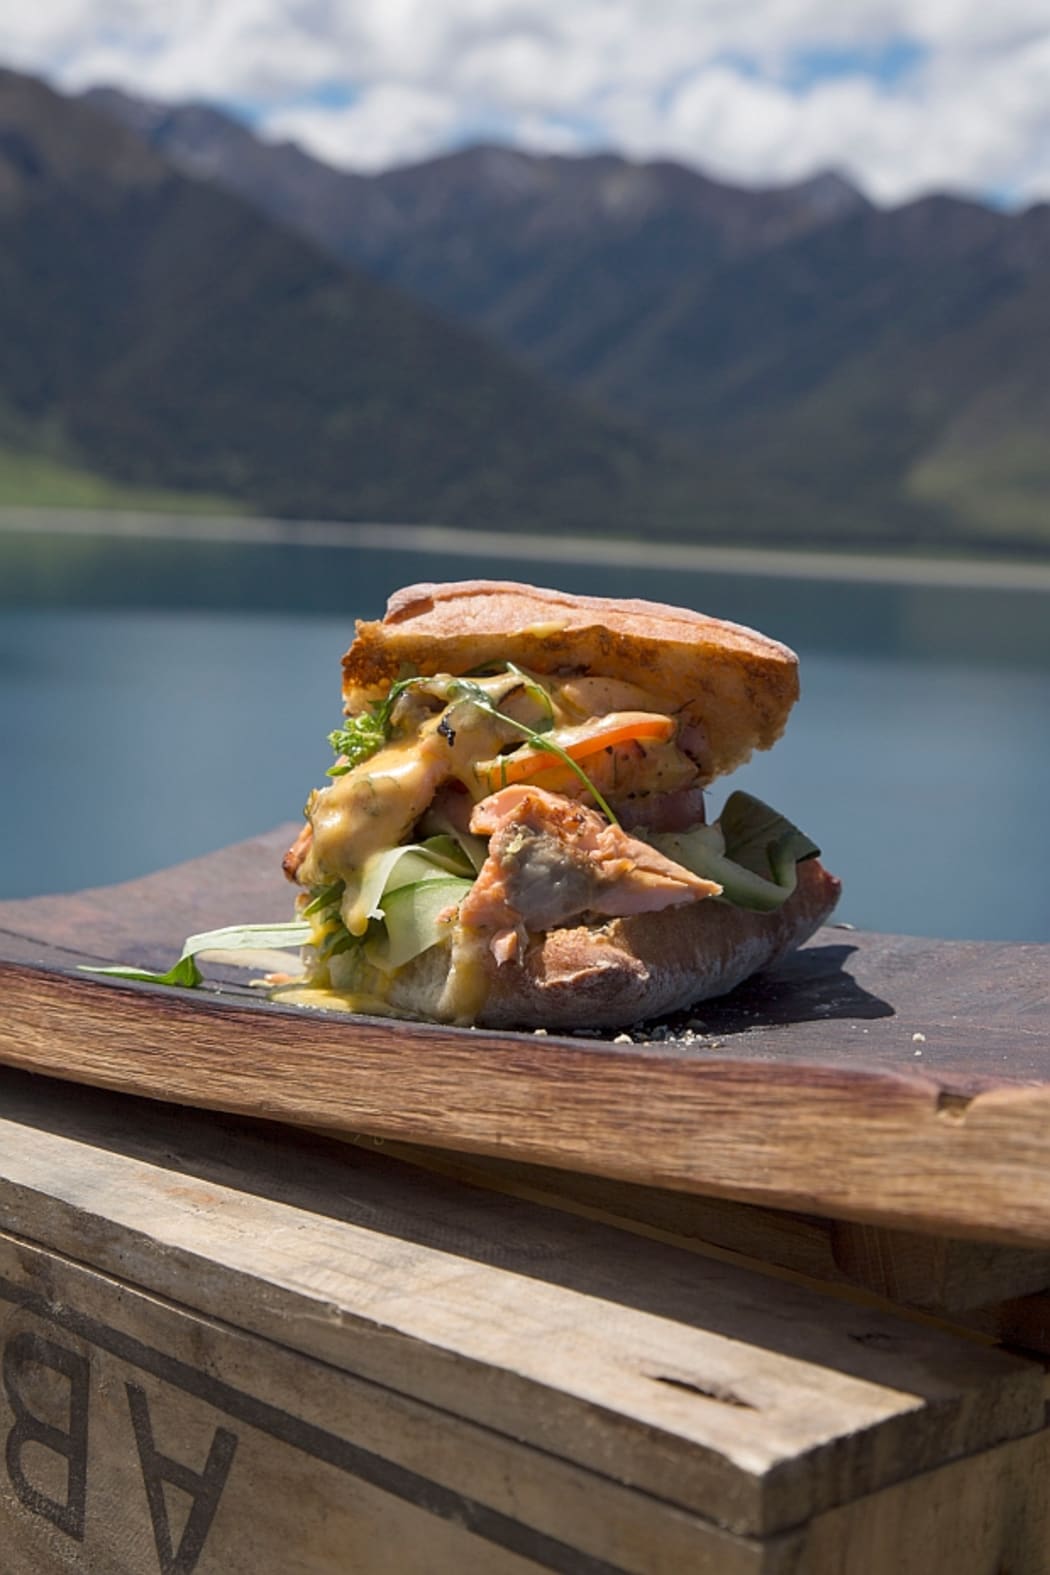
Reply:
x=159 y=699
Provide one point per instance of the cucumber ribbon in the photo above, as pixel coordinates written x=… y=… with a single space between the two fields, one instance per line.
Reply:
x=236 y=937
x=752 y=851
x=403 y=895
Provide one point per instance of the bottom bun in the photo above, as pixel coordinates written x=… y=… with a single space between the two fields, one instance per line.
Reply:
x=624 y=970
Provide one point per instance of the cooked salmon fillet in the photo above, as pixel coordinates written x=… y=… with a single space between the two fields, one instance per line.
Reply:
x=551 y=859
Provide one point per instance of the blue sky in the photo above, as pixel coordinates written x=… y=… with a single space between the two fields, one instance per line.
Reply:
x=885 y=60
x=904 y=98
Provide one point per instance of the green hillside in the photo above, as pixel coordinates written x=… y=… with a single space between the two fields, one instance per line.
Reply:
x=39 y=481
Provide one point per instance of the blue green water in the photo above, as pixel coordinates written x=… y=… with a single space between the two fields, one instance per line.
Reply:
x=159 y=700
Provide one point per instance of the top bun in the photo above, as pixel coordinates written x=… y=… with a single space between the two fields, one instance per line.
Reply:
x=735 y=684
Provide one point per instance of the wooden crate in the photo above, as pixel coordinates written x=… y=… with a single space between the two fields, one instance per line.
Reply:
x=232 y=1347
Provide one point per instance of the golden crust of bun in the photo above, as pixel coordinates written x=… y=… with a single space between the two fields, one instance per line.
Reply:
x=635 y=968
x=733 y=682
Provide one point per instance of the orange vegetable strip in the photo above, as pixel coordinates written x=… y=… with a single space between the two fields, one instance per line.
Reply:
x=619 y=727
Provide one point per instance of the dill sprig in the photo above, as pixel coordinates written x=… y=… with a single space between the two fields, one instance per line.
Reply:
x=466 y=689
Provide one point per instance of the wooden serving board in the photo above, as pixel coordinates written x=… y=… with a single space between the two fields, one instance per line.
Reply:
x=874 y=1078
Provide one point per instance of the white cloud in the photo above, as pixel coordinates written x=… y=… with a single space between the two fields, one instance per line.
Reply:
x=389 y=124
x=716 y=82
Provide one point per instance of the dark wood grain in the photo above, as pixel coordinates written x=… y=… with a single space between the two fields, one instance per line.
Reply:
x=878 y=1078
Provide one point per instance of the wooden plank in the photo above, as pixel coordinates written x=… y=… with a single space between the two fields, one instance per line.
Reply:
x=934 y=1273
x=987 y=1515
x=804 y=1093
x=1021 y=1322
x=802 y=1243
x=669 y=1373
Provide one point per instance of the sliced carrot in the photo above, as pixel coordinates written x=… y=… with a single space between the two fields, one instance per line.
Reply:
x=604 y=732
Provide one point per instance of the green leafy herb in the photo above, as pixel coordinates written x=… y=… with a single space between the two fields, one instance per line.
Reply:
x=362 y=736
x=327 y=897
x=184 y=974
x=237 y=937
x=338 y=940
x=359 y=739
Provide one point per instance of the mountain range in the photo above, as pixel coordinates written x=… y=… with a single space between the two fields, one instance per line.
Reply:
x=498 y=337
x=162 y=333
x=887 y=368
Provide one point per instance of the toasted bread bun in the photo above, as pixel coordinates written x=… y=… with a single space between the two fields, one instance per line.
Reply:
x=730 y=681
x=628 y=969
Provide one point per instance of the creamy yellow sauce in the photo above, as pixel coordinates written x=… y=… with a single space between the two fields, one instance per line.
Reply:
x=329 y=1000
x=374 y=806
x=467 y=985
x=462 y=998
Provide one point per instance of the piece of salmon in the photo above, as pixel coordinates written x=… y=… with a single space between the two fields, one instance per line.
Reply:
x=297 y=852
x=551 y=859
